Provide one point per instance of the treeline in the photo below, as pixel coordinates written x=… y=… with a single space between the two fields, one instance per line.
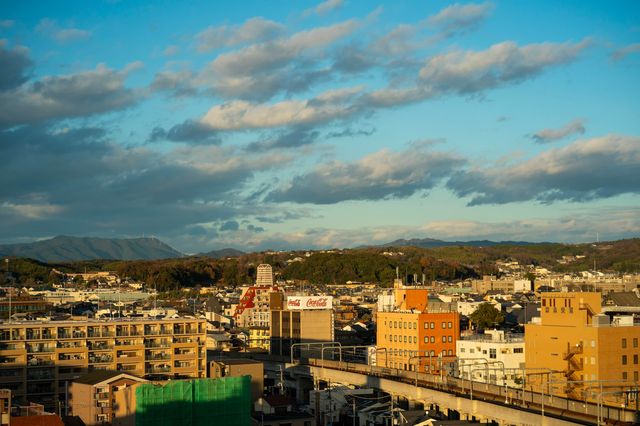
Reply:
x=365 y=265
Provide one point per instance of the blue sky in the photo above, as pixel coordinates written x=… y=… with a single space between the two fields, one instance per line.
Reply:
x=284 y=125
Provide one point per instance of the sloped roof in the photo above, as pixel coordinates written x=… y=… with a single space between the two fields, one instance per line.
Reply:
x=99 y=376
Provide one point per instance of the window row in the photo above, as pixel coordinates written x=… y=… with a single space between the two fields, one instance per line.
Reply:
x=401 y=339
x=432 y=339
x=432 y=325
x=402 y=324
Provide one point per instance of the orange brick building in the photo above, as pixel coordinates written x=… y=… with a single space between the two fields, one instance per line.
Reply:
x=409 y=335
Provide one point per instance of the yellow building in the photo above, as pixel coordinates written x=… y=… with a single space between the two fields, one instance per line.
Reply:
x=38 y=358
x=575 y=339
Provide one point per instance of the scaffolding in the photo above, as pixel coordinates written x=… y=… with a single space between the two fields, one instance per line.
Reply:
x=198 y=402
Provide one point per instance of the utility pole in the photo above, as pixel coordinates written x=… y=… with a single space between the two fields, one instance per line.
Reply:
x=354 y=410
x=10 y=290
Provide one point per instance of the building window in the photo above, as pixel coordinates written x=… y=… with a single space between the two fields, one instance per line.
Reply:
x=404 y=325
x=415 y=325
x=635 y=342
x=433 y=325
x=518 y=350
x=426 y=339
x=433 y=339
x=624 y=343
x=462 y=350
x=405 y=339
x=492 y=353
x=449 y=339
x=635 y=376
x=450 y=324
x=624 y=375
x=444 y=325
x=426 y=325
x=624 y=360
x=635 y=359
x=444 y=339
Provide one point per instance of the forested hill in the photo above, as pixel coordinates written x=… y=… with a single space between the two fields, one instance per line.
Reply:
x=66 y=249
x=338 y=266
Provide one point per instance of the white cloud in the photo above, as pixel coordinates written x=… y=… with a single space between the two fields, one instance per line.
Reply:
x=32 y=210
x=383 y=174
x=551 y=135
x=73 y=95
x=255 y=29
x=324 y=7
x=623 y=52
x=584 y=170
x=468 y=72
x=171 y=50
x=62 y=35
x=261 y=70
x=237 y=115
x=460 y=17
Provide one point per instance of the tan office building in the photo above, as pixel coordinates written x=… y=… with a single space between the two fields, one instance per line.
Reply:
x=583 y=345
x=38 y=358
x=307 y=319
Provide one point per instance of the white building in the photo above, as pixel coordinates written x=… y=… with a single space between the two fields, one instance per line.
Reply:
x=492 y=357
x=264 y=275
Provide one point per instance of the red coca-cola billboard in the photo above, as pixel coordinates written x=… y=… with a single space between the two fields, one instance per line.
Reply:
x=309 y=302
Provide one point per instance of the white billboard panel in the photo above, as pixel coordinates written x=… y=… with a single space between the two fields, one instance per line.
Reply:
x=309 y=302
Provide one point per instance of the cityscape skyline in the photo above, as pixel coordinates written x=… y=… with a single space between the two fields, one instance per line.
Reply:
x=327 y=124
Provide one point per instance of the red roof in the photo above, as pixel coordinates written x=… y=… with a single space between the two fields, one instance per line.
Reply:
x=48 y=420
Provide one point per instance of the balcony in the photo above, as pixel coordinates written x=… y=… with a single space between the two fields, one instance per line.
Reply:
x=157 y=357
x=39 y=362
x=11 y=348
x=40 y=348
x=185 y=356
x=157 y=369
x=66 y=347
x=100 y=347
x=101 y=359
x=157 y=345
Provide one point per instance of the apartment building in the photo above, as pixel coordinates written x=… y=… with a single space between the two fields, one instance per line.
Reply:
x=255 y=304
x=91 y=396
x=574 y=338
x=39 y=358
x=408 y=334
x=481 y=357
x=237 y=368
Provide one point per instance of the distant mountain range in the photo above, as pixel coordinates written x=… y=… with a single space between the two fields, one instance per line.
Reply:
x=431 y=243
x=66 y=249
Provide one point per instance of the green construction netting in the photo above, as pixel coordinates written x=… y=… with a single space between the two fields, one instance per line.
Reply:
x=224 y=401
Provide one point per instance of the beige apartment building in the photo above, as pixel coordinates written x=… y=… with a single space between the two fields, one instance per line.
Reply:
x=240 y=367
x=582 y=345
x=91 y=396
x=39 y=358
